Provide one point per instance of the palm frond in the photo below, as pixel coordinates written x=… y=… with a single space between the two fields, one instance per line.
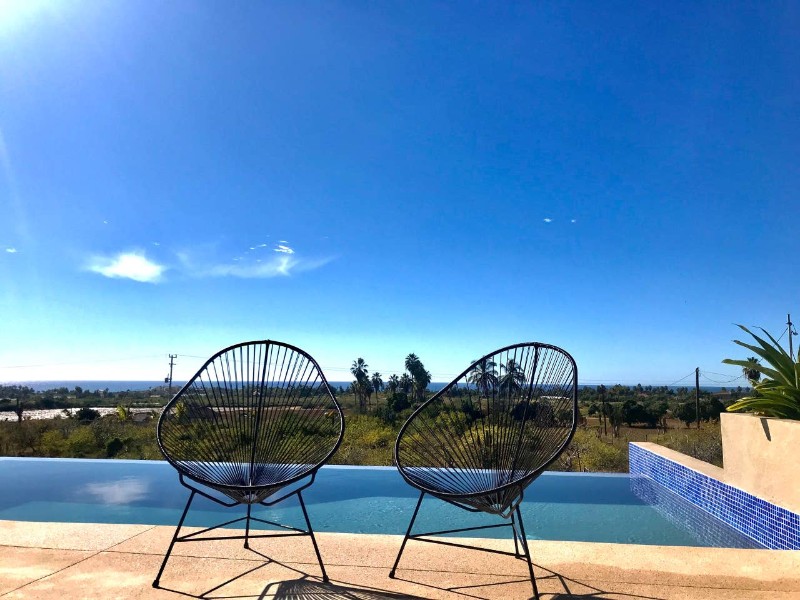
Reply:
x=778 y=395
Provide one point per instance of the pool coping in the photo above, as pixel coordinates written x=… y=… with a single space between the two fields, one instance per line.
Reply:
x=101 y=561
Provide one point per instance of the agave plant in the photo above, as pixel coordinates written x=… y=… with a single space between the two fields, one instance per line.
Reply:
x=777 y=394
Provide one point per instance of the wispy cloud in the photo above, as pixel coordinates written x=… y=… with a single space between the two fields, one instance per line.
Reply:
x=128 y=265
x=264 y=269
x=202 y=262
x=258 y=270
x=547 y=220
x=11 y=250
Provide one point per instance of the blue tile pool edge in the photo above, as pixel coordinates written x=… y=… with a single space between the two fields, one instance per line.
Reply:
x=770 y=525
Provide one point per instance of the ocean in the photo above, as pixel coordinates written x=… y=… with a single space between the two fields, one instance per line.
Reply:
x=122 y=386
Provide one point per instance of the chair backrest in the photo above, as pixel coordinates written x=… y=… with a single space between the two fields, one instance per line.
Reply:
x=496 y=426
x=256 y=415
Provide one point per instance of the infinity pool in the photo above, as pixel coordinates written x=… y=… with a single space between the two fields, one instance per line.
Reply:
x=557 y=506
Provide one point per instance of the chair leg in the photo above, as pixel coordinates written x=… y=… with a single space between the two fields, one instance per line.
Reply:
x=247 y=527
x=514 y=530
x=408 y=532
x=174 y=539
x=313 y=539
x=524 y=542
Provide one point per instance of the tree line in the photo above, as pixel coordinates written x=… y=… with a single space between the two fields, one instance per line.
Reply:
x=403 y=391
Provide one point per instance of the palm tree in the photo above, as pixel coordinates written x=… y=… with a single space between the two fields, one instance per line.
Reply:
x=393 y=384
x=419 y=375
x=405 y=383
x=359 y=369
x=421 y=381
x=361 y=390
x=377 y=383
x=514 y=377
x=368 y=389
x=360 y=386
x=751 y=370
x=484 y=375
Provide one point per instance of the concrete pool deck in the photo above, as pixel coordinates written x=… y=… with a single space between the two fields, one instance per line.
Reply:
x=67 y=560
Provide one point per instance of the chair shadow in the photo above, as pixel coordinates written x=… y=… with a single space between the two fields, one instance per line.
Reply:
x=588 y=591
x=304 y=587
x=209 y=594
x=311 y=589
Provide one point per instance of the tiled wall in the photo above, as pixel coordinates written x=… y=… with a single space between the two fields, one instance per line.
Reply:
x=705 y=528
x=770 y=525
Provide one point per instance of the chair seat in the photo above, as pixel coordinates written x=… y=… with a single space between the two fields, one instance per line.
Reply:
x=242 y=483
x=461 y=482
x=491 y=491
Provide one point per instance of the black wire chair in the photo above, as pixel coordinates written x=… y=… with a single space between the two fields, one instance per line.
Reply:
x=255 y=424
x=481 y=440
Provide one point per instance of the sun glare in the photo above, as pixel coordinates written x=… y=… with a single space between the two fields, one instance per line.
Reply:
x=15 y=14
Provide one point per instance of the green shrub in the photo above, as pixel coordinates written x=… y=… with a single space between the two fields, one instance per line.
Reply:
x=86 y=414
x=81 y=443
x=703 y=444
x=52 y=443
x=587 y=452
x=114 y=447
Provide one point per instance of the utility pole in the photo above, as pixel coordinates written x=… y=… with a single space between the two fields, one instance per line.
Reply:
x=602 y=390
x=791 y=333
x=697 y=394
x=168 y=379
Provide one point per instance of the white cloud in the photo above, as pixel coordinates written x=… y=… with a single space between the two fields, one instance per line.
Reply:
x=128 y=265
x=12 y=250
x=283 y=248
x=547 y=220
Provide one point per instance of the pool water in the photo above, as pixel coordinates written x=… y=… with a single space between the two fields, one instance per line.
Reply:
x=557 y=506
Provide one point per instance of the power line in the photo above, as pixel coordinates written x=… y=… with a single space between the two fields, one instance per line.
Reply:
x=723 y=374
x=681 y=379
x=706 y=377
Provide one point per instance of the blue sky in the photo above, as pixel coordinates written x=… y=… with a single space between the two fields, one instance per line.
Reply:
x=374 y=179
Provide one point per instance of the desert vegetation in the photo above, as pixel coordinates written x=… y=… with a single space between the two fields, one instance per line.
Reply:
x=375 y=409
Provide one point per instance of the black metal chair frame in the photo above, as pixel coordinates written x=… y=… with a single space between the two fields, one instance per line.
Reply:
x=190 y=482
x=513 y=515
